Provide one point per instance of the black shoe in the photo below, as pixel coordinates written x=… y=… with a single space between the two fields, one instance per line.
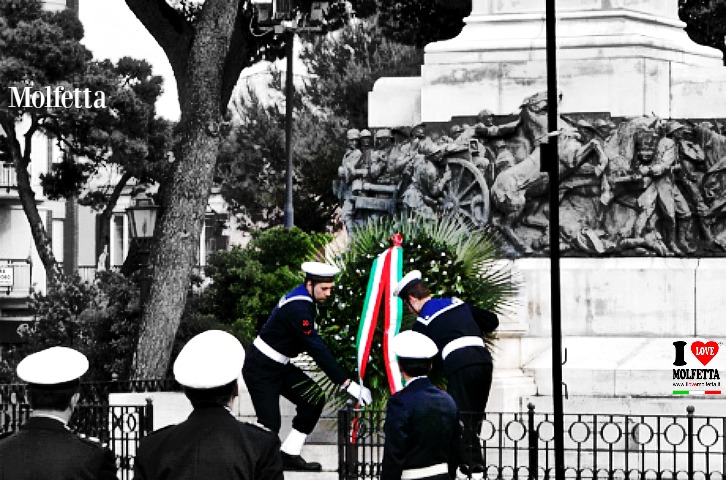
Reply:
x=296 y=462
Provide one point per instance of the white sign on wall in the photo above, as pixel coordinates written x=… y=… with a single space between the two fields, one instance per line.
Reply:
x=6 y=276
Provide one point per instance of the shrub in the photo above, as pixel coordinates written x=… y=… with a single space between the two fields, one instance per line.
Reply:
x=247 y=282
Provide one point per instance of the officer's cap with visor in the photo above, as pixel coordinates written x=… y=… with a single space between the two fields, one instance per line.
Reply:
x=209 y=360
x=319 y=272
x=414 y=345
x=410 y=279
x=55 y=367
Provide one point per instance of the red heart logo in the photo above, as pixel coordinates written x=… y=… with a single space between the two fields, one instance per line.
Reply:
x=704 y=352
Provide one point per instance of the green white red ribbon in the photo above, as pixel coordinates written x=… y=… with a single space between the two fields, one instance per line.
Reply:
x=385 y=273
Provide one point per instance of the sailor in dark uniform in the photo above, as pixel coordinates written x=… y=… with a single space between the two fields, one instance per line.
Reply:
x=268 y=372
x=422 y=425
x=44 y=447
x=457 y=328
x=211 y=443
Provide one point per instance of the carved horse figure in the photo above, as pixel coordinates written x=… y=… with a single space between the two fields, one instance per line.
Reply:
x=514 y=188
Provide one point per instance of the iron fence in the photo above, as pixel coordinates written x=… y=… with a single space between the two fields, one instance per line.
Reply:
x=596 y=446
x=120 y=428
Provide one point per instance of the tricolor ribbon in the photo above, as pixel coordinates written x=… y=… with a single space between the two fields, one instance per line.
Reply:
x=385 y=273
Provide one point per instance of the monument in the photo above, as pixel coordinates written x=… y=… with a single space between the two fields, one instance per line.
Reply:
x=625 y=66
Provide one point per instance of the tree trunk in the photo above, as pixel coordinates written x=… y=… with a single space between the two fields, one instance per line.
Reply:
x=185 y=198
x=21 y=160
x=104 y=220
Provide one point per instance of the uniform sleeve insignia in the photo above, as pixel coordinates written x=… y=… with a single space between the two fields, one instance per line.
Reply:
x=307 y=326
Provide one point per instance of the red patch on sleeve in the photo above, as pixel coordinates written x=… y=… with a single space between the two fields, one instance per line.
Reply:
x=307 y=327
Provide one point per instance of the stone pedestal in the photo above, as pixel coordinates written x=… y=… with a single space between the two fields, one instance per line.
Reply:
x=626 y=57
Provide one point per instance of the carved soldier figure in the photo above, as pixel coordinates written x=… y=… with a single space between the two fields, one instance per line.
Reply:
x=604 y=128
x=692 y=162
x=347 y=174
x=366 y=147
x=426 y=186
x=662 y=192
x=422 y=143
x=379 y=157
x=400 y=153
x=503 y=157
x=485 y=127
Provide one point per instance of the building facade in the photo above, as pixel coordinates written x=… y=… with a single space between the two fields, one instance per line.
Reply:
x=73 y=230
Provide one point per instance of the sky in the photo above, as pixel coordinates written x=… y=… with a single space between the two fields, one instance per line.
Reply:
x=112 y=31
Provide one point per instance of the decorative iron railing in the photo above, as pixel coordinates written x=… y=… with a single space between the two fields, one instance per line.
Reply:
x=120 y=428
x=597 y=446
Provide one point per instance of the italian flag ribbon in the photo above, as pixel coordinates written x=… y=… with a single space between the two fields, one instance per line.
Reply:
x=386 y=271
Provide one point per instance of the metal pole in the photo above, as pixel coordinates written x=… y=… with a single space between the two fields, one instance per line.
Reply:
x=551 y=156
x=289 y=94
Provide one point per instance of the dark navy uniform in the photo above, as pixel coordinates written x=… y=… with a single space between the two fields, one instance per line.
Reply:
x=421 y=432
x=210 y=444
x=457 y=328
x=289 y=331
x=44 y=448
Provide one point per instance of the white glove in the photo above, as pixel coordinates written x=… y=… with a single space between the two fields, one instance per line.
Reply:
x=360 y=392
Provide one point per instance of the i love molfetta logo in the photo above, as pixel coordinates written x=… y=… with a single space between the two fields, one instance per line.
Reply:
x=698 y=379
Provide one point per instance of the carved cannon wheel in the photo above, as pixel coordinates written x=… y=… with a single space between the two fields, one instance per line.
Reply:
x=467 y=192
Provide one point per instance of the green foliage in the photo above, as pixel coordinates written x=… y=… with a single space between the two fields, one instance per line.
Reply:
x=456 y=261
x=346 y=65
x=252 y=163
x=100 y=319
x=248 y=282
x=419 y=22
x=705 y=22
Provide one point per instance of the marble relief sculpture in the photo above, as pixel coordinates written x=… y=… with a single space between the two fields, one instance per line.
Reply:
x=634 y=187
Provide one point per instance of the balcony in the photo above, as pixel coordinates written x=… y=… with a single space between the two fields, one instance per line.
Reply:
x=8 y=182
x=16 y=278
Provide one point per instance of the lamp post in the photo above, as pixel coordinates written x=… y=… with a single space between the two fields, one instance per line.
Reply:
x=142 y=222
x=284 y=19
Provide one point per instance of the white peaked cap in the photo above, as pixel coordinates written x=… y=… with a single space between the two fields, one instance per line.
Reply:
x=410 y=344
x=210 y=359
x=320 y=270
x=409 y=278
x=53 y=366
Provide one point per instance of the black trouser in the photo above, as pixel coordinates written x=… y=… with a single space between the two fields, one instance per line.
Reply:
x=267 y=379
x=469 y=387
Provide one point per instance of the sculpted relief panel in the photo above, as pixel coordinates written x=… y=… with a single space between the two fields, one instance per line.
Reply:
x=628 y=187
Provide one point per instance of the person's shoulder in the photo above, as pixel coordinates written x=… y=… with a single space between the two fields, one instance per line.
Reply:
x=257 y=431
x=92 y=444
x=158 y=434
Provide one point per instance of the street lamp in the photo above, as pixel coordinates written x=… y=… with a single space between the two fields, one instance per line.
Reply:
x=142 y=222
x=281 y=17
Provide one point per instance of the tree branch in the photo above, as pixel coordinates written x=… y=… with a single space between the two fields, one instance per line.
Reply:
x=29 y=140
x=238 y=57
x=170 y=29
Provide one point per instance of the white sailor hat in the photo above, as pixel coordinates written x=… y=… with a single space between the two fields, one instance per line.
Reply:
x=410 y=344
x=319 y=270
x=211 y=359
x=408 y=279
x=53 y=366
